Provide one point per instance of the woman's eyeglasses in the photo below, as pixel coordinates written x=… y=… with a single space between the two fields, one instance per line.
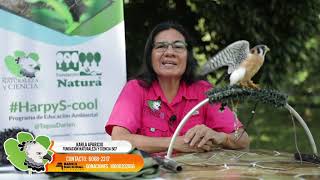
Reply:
x=177 y=46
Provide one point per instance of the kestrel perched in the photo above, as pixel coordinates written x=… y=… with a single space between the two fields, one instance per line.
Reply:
x=243 y=63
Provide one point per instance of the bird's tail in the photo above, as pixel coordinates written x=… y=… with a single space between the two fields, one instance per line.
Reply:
x=211 y=65
x=216 y=62
x=229 y=56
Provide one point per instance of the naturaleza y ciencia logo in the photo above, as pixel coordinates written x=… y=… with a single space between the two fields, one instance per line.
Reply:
x=23 y=68
x=23 y=65
x=40 y=154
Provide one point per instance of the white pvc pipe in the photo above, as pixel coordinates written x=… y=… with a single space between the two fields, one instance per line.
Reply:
x=187 y=116
x=305 y=127
x=181 y=124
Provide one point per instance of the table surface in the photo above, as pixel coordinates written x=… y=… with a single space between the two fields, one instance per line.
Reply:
x=231 y=164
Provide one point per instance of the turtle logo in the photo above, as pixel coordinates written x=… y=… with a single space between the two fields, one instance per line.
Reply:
x=27 y=153
x=22 y=65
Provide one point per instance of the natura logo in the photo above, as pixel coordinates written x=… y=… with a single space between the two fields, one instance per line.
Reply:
x=23 y=65
x=78 y=63
x=27 y=153
x=78 y=69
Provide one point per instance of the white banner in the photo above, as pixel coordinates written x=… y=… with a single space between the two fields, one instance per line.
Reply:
x=92 y=147
x=57 y=83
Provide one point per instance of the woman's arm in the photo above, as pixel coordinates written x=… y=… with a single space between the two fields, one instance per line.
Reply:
x=155 y=144
x=239 y=141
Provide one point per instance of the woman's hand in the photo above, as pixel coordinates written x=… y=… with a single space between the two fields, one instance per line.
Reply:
x=156 y=144
x=201 y=134
x=181 y=146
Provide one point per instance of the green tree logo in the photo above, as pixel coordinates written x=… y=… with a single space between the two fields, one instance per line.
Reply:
x=23 y=65
x=27 y=153
x=89 y=63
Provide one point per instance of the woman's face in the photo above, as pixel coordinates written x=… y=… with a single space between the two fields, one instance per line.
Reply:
x=169 y=54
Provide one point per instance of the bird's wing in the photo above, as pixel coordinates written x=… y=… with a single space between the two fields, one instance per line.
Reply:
x=230 y=56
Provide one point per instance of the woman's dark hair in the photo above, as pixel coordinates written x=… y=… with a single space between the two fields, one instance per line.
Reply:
x=147 y=74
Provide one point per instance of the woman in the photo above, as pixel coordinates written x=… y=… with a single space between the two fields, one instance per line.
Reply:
x=151 y=106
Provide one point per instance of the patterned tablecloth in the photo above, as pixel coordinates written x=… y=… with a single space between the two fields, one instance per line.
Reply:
x=230 y=164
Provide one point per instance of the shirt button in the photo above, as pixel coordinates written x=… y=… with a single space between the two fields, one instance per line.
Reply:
x=152 y=129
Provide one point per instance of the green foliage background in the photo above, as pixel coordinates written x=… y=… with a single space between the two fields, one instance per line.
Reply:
x=290 y=28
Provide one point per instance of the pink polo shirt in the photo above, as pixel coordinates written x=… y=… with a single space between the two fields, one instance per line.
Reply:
x=146 y=111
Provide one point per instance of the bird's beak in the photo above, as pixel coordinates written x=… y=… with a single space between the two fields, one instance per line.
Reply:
x=48 y=157
x=37 y=68
x=268 y=49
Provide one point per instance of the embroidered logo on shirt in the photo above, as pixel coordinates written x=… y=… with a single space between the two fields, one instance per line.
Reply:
x=154 y=105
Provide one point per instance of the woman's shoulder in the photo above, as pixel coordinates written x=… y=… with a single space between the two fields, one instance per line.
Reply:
x=136 y=85
x=133 y=84
x=132 y=88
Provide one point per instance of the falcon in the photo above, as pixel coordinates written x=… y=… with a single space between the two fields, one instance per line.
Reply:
x=243 y=63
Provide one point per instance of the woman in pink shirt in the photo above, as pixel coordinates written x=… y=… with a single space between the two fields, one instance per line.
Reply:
x=151 y=106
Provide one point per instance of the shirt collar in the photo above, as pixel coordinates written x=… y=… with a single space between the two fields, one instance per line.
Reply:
x=156 y=91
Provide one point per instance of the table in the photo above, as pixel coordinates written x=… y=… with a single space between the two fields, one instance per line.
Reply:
x=231 y=164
